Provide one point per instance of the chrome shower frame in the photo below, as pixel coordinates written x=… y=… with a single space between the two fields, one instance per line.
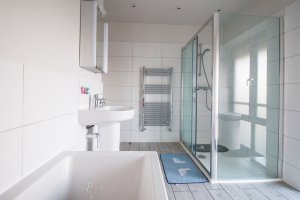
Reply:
x=212 y=174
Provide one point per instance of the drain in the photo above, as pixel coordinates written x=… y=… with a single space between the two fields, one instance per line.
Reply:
x=201 y=156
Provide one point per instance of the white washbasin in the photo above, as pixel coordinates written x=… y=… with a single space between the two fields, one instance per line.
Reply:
x=94 y=175
x=108 y=120
x=105 y=115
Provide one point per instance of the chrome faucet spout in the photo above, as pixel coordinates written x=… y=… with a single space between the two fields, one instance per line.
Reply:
x=98 y=102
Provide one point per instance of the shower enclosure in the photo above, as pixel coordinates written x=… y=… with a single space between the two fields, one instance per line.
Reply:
x=230 y=110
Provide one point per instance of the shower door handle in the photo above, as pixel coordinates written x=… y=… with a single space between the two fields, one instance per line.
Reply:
x=249 y=81
x=195 y=95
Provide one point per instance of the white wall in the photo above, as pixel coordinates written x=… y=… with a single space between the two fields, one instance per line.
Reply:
x=131 y=47
x=40 y=83
x=291 y=159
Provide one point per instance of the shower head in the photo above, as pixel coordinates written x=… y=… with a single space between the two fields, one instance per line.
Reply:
x=203 y=53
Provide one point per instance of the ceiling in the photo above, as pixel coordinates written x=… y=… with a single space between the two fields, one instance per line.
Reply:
x=192 y=12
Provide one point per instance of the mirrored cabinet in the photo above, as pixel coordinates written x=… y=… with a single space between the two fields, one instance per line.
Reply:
x=93 y=37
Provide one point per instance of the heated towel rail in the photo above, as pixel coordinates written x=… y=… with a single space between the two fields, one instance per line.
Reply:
x=156 y=97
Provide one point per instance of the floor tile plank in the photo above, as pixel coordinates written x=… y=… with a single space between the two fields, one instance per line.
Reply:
x=144 y=146
x=219 y=195
x=235 y=192
x=254 y=194
x=134 y=147
x=269 y=192
x=180 y=187
x=183 y=196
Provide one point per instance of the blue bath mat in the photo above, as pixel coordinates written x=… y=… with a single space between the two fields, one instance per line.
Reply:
x=181 y=169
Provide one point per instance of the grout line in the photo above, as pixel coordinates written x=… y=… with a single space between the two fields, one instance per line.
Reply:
x=291 y=83
x=292 y=138
x=224 y=189
x=51 y=118
x=11 y=129
x=290 y=30
x=292 y=56
x=292 y=165
x=22 y=129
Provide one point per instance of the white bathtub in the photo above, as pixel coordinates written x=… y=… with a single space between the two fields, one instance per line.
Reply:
x=94 y=175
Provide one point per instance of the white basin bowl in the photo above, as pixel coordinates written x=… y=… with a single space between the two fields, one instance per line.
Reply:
x=106 y=114
x=94 y=175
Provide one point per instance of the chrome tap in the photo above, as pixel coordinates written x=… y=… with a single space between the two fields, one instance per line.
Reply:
x=98 y=102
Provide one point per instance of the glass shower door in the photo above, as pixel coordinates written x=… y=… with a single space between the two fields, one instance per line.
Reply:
x=189 y=106
x=249 y=97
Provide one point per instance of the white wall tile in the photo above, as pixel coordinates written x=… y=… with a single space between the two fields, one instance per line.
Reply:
x=120 y=49
x=292 y=70
x=292 y=97
x=117 y=79
x=117 y=93
x=203 y=124
x=125 y=136
x=172 y=62
x=291 y=124
x=11 y=87
x=167 y=136
x=177 y=80
x=136 y=79
x=292 y=43
x=176 y=94
x=126 y=125
x=43 y=140
x=118 y=103
x=135 y=94
x=140 y=62
x=171 y=50
x=291 y=174
x=291 y=165
x=48 y=94
x=146 y=49
x=176 y=124
x=120 y=64
x=292 y=16
x=290 y=152
x=204 y=137
x=10 y=158
x=176 y=108
x=138 y=136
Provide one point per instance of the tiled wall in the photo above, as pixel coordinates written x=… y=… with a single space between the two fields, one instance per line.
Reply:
x=40 y=87
x=149 y=45
x=291 y=159
x=122 y=84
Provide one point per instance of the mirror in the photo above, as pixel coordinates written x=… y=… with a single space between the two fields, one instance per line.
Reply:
x=90 y=13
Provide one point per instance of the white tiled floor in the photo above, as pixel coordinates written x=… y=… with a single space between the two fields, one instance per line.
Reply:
x=208 y=191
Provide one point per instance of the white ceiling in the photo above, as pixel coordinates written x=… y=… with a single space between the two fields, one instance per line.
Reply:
x=193 y=12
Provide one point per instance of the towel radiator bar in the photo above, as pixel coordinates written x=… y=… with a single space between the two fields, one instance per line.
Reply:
x=156 y=111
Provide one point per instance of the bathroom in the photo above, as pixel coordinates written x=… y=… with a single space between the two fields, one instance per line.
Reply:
x=44 y=86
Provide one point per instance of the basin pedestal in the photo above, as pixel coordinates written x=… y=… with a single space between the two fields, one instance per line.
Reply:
x=108 y=120
x=109 y=136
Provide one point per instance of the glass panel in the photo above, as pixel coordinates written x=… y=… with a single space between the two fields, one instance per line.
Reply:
x=202 y=148
x=187 y=117
x=248 y=97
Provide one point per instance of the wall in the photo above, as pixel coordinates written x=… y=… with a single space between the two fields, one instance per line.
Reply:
x=131 y=47
x=40 y=81
x=291 y=161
